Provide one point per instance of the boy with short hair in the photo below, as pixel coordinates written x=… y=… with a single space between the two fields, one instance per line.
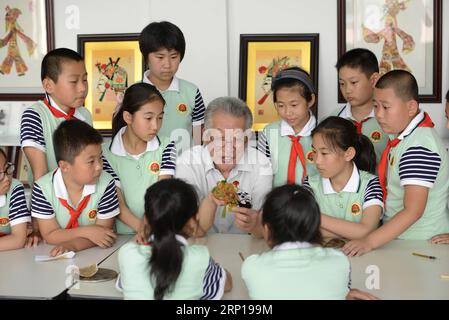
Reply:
x=162 y=45
x=76 y=203
x=413 y=170
x=358 y=71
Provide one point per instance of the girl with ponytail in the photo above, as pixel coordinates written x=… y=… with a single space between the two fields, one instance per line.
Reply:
x=349 y=194
x=167 y=267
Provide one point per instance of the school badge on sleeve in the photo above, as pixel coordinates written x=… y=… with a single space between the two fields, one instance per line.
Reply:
x=4 y=222
x=182 y=108
x=376 y=136
x=356 y=209
x=92 y=215
x=309 y=156
x=154 y=167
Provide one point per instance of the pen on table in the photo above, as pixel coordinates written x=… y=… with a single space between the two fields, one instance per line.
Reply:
x=445 y=276
x=241 y=256
x=423 y=255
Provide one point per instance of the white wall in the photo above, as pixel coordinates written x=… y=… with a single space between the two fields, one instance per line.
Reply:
x=212 y=29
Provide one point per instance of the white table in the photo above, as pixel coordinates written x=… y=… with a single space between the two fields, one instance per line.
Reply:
x=401 y=275
x=21 y=277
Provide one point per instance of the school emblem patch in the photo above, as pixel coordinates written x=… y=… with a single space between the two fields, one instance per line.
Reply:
x=309 y=156
x=376 y=136
x=154 y=167
x=182 y=108
x=356 y=209
x=4 y=222
x=92 y=215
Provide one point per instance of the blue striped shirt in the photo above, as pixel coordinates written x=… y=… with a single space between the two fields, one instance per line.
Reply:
x=31 y=128
x=18 y=210
x=198 y=109
x=418 y=165
x=211 y=281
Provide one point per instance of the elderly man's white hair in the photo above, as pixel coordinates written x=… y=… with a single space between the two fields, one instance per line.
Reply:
x=229 y=105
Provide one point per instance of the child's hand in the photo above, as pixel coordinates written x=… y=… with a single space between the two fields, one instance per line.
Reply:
x=140 y=236
x=56 y=251
x=441 y=238
x=245 y=219
x=101 y=236
x=33 y=238
x=356 y=248
x=214 y=200
x=356 y=294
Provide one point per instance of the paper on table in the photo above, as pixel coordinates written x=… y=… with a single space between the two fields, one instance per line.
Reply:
x=67 y=255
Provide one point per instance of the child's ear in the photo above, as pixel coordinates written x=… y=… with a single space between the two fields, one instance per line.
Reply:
x=374 y=77
x=266 y=232
x=412 y=108
x=63 y=165
x=48 y=85
x=350 y=154
x=128 y=117
x=311 y=102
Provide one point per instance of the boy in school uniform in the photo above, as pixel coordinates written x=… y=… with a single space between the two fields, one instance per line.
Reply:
x=413 y=170
x=64 y=79
x=162 y=45
x=358 y=71
x=76 y=203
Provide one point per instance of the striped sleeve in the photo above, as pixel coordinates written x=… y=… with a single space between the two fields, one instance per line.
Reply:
x=31 y=130
x=108 y=206
x=419 y=166
x=198 y=110
x=108 y=168
x=40 y=207
x=18 y=210
x=168 y=164
x=213 y=282
x=373 y=194
x=262 y=144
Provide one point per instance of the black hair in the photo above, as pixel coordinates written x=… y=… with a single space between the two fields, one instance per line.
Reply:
x=402 y=82
x=135 y=97
x=341 y=133
x=169 y=204
x=447 y=96
x=292 y=214
x=51 y=66
x=161 y=35
x=71 y=137
x=359 y=58
x=280 y=82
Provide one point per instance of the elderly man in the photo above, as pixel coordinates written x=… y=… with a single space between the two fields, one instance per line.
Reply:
x=226 y=156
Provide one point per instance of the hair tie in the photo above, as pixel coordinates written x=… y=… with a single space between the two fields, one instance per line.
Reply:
x=294 y=74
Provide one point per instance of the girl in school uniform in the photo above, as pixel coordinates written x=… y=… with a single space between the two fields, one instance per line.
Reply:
x=14 y=214
x=349 y=195
x=296 y=267
x=167 y=267
x=287 y=143
x=137 y=154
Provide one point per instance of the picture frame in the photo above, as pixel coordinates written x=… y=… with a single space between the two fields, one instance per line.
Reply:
x=417 y=38
x=20 y=65
x=261 y=56
x=22 y=167
x=113 y=63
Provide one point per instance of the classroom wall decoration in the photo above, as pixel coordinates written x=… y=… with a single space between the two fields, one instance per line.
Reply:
x=404 y=34
x=261 y=57
x=26 y=35
x=113 y=62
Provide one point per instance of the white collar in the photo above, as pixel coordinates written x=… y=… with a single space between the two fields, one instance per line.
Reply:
x=351 y=186
x=287 y=130
x=177 y=236
x=292 y=245
x=2 y=200
x=347 y=113
x=174 y=85
x=412 y=125
x=61 y=190
x=77 y=114
x=118 y=148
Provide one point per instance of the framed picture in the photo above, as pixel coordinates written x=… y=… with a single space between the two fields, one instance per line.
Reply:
x=261 y=57
x=23 y=169
x=404 y=34
x=28 y=36
x=113 y=63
